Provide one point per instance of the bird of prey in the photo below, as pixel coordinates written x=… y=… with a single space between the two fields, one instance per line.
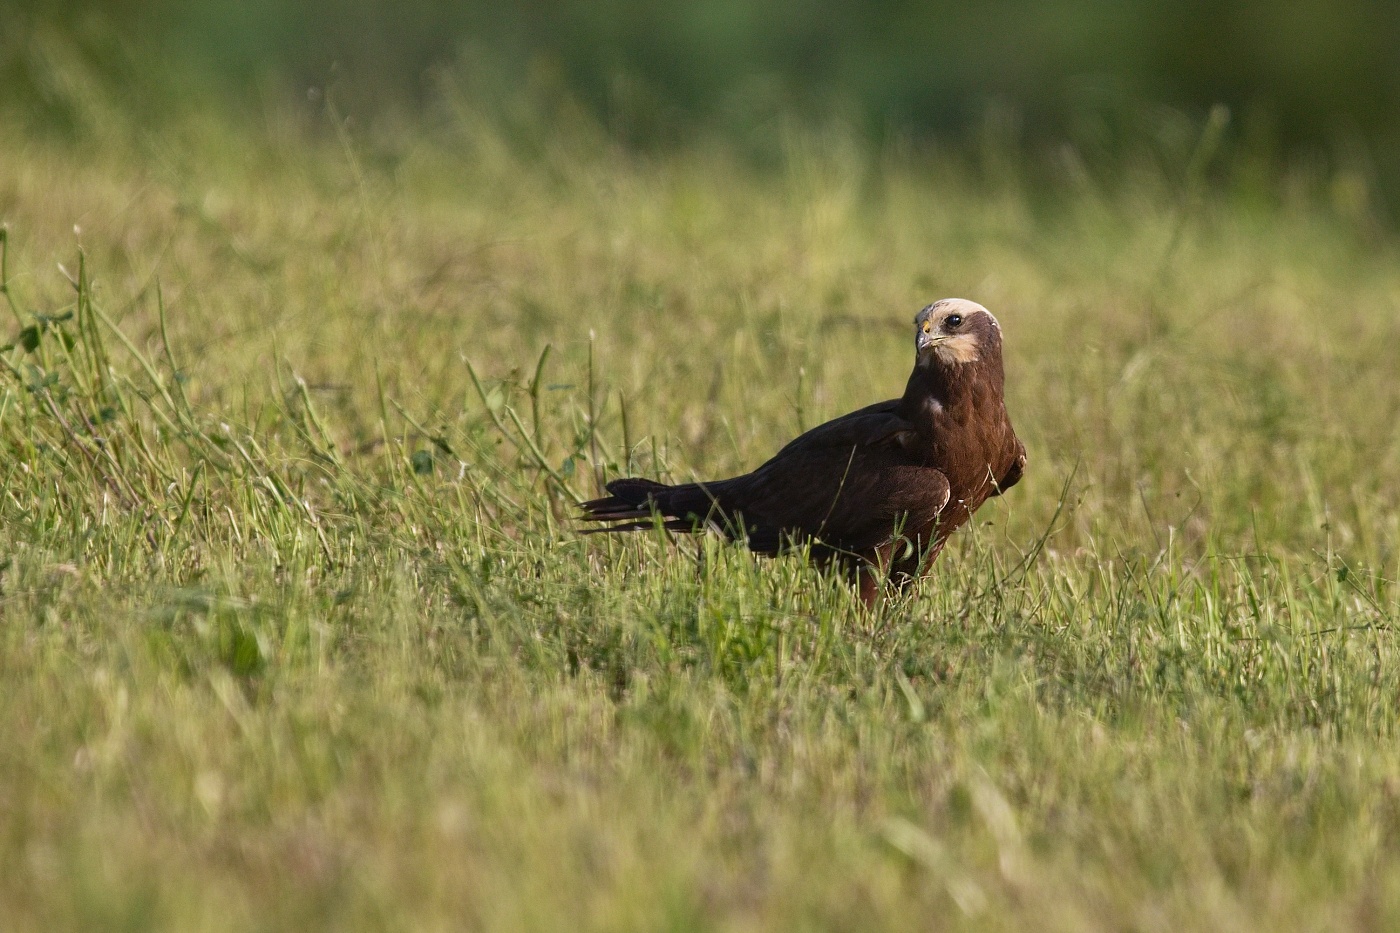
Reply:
x=876 y=492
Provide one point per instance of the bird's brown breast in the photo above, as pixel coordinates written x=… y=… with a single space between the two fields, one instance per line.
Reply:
x=970 y=441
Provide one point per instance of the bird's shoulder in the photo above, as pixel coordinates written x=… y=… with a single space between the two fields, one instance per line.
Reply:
x=874 y=425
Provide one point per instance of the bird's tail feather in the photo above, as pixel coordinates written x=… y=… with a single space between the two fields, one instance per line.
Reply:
x=637 y=503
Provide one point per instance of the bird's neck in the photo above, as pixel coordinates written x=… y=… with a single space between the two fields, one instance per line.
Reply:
x=950 y=385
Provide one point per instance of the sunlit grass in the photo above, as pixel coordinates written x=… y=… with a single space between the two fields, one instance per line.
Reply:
x=297 y=631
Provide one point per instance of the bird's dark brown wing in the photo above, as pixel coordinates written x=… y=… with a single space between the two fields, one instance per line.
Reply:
x=851 y=484
x=871 y=426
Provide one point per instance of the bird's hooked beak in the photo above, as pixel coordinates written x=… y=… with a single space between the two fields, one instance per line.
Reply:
x=927 y=340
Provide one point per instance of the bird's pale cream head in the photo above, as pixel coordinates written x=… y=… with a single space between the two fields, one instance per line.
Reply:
x=952 y=331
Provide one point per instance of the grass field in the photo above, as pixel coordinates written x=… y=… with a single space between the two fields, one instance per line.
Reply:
x=298 y=633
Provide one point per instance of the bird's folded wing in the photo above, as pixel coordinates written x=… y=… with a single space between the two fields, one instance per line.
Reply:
x=847 y=494
x=873 y=426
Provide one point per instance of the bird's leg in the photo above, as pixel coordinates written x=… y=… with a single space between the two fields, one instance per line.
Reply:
x=869 y=584
x=931 y=554
x=873 y=577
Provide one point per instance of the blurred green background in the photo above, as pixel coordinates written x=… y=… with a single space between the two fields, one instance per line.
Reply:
x=1308 y=82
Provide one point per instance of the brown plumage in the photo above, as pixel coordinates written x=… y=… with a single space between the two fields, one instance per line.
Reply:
x=877 y=491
